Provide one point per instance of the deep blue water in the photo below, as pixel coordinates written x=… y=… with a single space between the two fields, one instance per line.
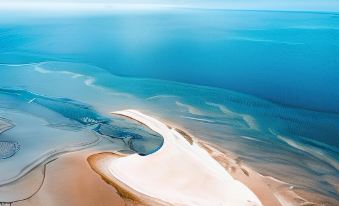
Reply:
x=287 y=57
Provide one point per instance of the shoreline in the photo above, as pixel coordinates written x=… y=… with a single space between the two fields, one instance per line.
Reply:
x=70 y=181
x=107 y=171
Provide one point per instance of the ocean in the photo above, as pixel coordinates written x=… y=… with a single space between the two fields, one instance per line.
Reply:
x=260 y=84
x=237 y=50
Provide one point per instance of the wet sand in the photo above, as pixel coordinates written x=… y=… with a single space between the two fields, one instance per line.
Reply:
x=70 y=181
x=86 y=178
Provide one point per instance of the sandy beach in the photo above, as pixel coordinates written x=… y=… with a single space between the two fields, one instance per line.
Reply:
x=184 y=171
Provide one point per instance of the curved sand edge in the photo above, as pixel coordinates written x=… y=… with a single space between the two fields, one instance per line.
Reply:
x=132 y=197
x=71 y=181
x=181 y=172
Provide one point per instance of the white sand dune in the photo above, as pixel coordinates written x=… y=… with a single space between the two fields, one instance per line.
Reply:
x=179 y=173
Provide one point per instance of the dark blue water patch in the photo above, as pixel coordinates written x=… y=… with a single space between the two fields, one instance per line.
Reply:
x=79 y=112
x=137 y=136
x=77 y=115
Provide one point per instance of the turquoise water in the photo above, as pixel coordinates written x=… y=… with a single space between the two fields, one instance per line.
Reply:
x=262 y=85
x=286 y=57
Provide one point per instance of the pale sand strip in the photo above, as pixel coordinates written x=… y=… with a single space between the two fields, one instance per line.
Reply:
x=98 y=163
x=179 y=173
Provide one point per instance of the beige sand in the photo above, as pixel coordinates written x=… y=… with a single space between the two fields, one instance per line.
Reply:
x=270 y=191
x=24 y=187
x=70 y=181
x=131 y=197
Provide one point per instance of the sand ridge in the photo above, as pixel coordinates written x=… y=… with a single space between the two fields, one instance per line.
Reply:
x=168 y=175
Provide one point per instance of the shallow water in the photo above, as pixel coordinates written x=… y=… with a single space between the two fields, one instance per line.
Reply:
x=43 y=127
x=61 y=102
x=290 y=144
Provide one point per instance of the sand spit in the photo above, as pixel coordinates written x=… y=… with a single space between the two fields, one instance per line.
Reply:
x=180 y=173
x=168 y=174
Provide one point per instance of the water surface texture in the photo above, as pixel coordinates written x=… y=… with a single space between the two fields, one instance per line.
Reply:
x=263 y=85
x=287 y=57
